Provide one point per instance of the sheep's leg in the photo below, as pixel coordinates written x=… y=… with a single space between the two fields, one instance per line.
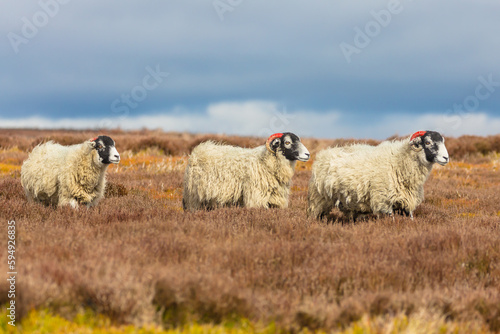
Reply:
x=99 y=193
x=188 y=204
x=71 y=191
x=277 y=200
x=406 y=213
x=253 y=199
x=382 y=208
x=66 y=198
x=318 y=206
x=353 y=215
x=95 y=201
x=362 y=215
x=261 y=197
x=29 y=197
x=84 y=198
x=193 y=200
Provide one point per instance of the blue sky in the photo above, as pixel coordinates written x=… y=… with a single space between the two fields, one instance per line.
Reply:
x=325 y=69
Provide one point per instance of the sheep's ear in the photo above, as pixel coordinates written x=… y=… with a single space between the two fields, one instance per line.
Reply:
x=416 y=141
x=274 y=142
x=416 y=147
x=93 y=141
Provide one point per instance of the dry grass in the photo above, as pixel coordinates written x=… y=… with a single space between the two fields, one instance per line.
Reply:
x=138 y=258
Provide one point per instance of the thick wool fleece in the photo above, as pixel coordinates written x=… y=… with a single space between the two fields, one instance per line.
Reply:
x=64 y=175
x=221 y=175
x=368 y=179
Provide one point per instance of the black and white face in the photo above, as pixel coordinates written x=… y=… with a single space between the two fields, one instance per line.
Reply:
x=105 y=147
x=290 y=146
x=433 y=146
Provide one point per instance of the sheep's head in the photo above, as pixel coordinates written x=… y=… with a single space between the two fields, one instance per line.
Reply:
x=289 y=145
x=432 y=145
x=105 y=147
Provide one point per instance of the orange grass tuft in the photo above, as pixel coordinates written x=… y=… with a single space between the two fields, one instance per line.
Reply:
x=8 y=169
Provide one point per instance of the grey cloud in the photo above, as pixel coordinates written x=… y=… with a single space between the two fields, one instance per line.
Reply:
x=427 y=58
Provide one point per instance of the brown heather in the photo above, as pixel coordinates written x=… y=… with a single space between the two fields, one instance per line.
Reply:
x=138 y=258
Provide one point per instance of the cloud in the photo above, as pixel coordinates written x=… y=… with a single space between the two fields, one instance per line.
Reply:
x=452 y=125
x=456 y=125
x=262 y=118
x=422 y=60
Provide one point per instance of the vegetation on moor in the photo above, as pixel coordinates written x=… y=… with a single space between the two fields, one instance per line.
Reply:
x=138 y=259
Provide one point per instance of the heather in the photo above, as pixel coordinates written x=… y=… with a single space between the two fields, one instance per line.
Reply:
x=138 y=259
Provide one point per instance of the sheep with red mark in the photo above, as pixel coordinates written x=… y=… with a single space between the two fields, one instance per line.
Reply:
x=221 y=175
x=362 y=179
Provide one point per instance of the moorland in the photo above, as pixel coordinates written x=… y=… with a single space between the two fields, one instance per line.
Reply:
x=139 y=259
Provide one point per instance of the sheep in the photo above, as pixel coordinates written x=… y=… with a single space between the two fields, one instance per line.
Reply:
x=68 y=175
x=221 y=175
x=363 y=179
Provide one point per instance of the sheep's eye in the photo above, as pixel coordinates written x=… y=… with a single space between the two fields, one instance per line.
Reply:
x=99 y=146
x=287 y=143
x=427 y=143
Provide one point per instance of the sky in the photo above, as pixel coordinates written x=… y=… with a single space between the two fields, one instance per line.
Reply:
x=325 y=69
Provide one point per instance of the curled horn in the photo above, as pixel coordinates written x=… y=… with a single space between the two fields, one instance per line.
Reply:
x=413 y=137
x=270 y=139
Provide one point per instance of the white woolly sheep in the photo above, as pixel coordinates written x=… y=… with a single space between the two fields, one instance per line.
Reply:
x=221 y=175
x=68 y=175
x=362 y=179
